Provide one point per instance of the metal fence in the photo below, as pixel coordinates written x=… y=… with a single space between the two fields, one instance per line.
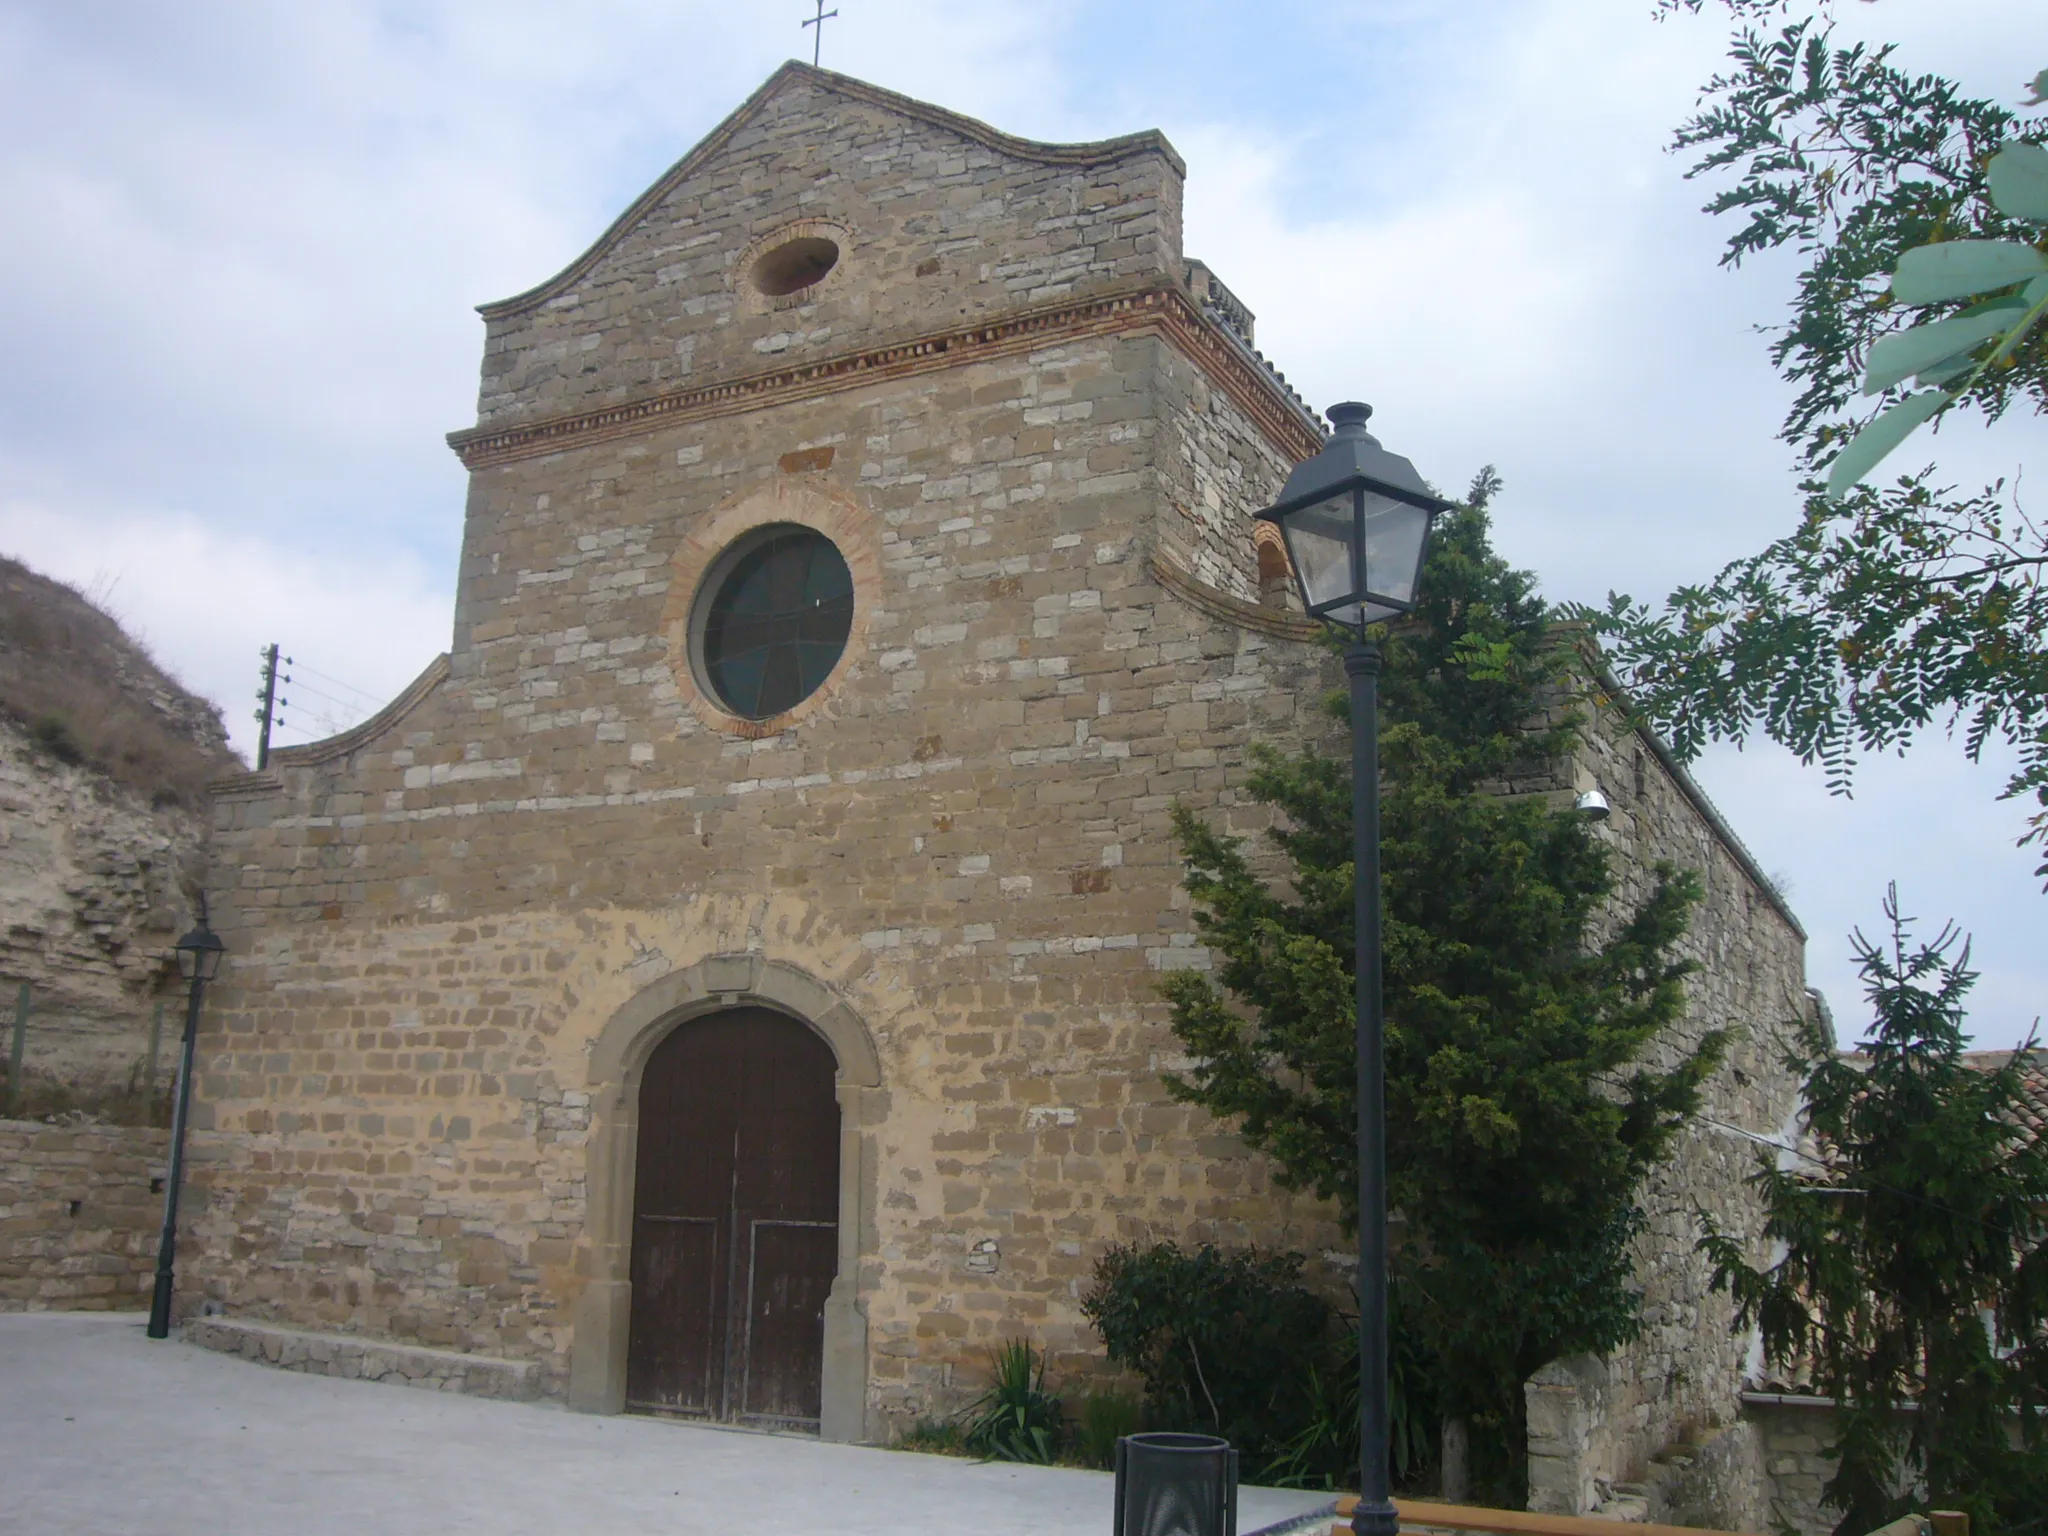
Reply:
x=131 y=1084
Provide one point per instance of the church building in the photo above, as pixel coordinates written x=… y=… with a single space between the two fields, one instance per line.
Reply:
x=725 y=983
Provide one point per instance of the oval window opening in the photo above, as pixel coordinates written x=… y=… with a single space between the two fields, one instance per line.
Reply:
x=773 y=621
x=795 y=265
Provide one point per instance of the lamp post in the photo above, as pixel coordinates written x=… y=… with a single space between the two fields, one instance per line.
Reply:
x=199 y=956
x=1355 y=520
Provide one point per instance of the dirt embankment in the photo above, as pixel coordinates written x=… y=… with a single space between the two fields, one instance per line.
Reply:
x=104 y=759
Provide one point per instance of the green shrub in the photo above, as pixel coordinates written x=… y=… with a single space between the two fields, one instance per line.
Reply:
x=1234 y=1344
x=1323 y=1453
x=1106 y=1417
x=1016 y=1419
x=53 y=734
x=1226 y=1342
x=89 y=695
x=937 y=1437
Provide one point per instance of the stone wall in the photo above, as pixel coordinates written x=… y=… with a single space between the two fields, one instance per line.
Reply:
x=356 y=1359
x=964 y=837
x=1716 y=1475
x=1796 y=1440
x=1216 y=469
x=1681 y=1378
x=81 y=1208
x=1646 y=1411
x=1716 y=1479
x=451 y=930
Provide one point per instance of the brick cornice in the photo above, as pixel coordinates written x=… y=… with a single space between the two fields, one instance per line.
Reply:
x=1162 y=311
x=1287 y=424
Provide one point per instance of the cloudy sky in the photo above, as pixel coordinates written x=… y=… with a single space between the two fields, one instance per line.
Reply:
x=242 y=244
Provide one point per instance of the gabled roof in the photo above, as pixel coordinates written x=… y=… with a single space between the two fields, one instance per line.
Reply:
x=1100 y=152
x=2032 y=1112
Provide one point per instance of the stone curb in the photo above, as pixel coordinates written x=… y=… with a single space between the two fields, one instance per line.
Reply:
x=357 y=1359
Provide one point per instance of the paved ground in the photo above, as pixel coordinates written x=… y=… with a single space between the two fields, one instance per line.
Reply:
x=102 y=1431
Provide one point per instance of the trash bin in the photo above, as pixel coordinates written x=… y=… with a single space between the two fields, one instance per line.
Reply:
x=1175 y=1485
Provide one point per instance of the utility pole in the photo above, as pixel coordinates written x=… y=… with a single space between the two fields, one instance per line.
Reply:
x=14 y=1051
x=199 y=957
x=268 y=696
x=156 y=1040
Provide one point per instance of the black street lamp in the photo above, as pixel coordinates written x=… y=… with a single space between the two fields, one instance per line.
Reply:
x=1356 y=519
x=199 y=956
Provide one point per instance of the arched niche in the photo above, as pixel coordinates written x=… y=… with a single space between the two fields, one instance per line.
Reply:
x=603 y=1312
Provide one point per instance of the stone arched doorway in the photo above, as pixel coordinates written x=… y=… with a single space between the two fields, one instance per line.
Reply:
x=735 y=1221
x=619 y=1055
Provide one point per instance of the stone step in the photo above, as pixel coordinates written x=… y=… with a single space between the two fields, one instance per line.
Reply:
x=359 y=1359
x=1425 y=1518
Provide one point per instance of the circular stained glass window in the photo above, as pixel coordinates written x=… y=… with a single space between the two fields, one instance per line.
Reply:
x=775 y=622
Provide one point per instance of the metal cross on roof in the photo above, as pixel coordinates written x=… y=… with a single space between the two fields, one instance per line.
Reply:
x=818 y=37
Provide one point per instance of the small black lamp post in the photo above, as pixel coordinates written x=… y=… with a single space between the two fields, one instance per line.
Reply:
x=1356 y=519
x=199 y=956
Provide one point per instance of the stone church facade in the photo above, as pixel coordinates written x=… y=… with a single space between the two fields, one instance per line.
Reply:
x=504 y=958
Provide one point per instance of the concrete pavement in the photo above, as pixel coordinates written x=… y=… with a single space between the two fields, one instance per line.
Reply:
x=103 y=1431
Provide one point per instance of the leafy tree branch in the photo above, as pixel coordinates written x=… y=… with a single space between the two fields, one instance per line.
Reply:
x=1883 y=614
x=1921 y=215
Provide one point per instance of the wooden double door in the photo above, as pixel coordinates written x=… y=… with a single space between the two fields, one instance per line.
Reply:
x=735 y=1221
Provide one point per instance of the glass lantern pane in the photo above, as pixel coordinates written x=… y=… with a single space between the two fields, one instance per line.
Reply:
x=1319 y=543
x=1394 y=535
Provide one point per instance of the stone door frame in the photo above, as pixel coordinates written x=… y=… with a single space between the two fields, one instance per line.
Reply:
x=603 y=1312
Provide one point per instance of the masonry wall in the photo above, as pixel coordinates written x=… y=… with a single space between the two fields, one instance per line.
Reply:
x=1677 y=1386
x=1797 y=1442
x=79 y=1220
x=966 y=840
x=960 y=845
x=1216 y=468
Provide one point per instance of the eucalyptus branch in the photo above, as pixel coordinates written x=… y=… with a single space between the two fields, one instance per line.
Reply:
x=1978 y=573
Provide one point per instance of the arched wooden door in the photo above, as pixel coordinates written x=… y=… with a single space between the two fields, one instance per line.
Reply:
x=735 y=1221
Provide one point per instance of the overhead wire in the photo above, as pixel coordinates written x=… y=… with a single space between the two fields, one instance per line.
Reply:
x=344 y=714
x=365 y=693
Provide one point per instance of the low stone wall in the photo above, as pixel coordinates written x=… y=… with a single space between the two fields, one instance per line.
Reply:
x=358 y=1359
x=1570 y=1436
x=1798 y=1436
x=78 y=1218
x=1716 y=1477
x=1725 y=1476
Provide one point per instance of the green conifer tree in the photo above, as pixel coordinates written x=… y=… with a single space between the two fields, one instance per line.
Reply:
x=1521 y=1114
x=1913 y=1287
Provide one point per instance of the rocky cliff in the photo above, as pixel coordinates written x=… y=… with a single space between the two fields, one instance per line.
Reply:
x=103 y=762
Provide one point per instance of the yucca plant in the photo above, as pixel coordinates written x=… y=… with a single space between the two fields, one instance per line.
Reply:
x=1016 y=1419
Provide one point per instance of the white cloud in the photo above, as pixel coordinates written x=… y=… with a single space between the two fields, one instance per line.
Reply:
x=205 y=603
x=1547 y=298
x=244 y=241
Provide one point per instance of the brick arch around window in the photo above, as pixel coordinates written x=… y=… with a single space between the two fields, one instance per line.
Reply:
x=1276 y=575
x=806 y=500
